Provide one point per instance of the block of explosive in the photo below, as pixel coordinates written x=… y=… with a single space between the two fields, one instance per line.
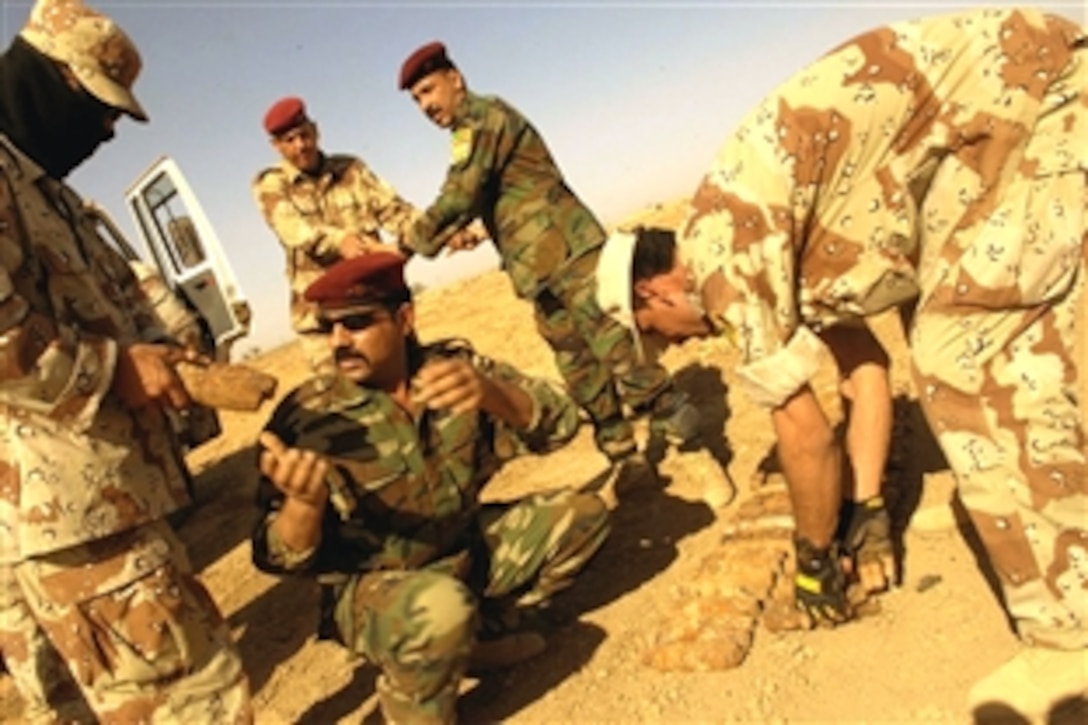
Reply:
x=226 y=386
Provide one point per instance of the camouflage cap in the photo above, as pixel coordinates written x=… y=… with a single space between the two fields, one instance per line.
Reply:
x=99 y=53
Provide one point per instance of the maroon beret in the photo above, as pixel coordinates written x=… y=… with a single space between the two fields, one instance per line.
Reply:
x=372 y=277
x=284 y=115
x=425 y=60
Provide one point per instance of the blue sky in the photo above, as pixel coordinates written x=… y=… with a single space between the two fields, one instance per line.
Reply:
x=632 y=97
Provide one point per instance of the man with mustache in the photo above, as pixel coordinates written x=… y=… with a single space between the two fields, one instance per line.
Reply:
x=938 y=165
x=502 y=172
x=98 y=605
x=322 y=208
x=371 y=482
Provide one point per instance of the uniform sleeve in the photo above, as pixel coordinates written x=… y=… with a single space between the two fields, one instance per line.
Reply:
x=394 y=215
x=474 y=156
x=554 y=420
x=137 y=300
x=293 y=230
x=269 y=552
x=45 y=367
x=741 y=230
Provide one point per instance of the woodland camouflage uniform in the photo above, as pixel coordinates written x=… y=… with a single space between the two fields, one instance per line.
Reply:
x=502 y=172
x=408 y=554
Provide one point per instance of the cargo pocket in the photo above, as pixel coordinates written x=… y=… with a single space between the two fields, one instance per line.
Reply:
x=146 y=633
x=123 y=610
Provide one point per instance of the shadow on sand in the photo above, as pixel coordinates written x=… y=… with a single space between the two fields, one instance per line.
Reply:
x=224 y=513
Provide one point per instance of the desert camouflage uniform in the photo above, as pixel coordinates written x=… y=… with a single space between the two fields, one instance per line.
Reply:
x=944 y=160
x=408 y=550
x=85 y=483
x=311 y=215
x=503 y=173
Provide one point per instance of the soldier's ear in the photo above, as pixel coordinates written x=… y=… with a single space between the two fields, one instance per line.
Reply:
x=406 y=318
x=642 y=291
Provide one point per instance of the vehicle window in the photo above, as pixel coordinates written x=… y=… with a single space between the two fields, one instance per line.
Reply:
x=171 y=225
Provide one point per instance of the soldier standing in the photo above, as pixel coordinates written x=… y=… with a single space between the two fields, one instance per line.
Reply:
x=938 y=163
x=502 y=172
x=89 y=569
x=322 y=208
x=371 y=483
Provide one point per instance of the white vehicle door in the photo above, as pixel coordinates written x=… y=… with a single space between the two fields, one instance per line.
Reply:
x=184 y=246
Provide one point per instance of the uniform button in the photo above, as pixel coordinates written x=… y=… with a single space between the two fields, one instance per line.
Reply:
x=1002 y=524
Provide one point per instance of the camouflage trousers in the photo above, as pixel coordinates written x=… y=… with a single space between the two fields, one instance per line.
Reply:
x=1003 y=392
x=119 y=631
x=597 y=358
x=419 y=626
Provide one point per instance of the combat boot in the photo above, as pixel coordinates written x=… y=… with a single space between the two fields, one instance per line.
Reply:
x=675 y=418
x=506 y=651
x=615 y=438
x=1032 y=684
x=624 y=476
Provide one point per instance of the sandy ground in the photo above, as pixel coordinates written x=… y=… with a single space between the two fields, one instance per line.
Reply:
x=935 y=634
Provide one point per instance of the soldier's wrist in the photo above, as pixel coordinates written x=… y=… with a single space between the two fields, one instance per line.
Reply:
x=288 y=551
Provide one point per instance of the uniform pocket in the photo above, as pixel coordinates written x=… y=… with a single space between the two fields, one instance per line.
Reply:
x=140 y=633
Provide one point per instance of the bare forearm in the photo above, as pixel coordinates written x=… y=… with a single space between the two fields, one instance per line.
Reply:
x=507 y=402
x=812 y=463
x=298 y=525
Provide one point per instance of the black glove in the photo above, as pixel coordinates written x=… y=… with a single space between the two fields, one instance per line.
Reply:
x=868 y=542
x=820 y=585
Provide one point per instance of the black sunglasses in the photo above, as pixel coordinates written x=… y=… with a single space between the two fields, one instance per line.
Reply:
x=354 y=322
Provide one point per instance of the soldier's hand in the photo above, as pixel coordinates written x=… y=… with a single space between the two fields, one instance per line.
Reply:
x=354 y=245
x=468 y=237
x=868 y=541
x=300 y=474
x=452 y=384
x=145 y=376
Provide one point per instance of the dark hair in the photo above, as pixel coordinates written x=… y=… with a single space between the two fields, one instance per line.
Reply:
x=655 y=252
x=394 y=300
x=432 y=65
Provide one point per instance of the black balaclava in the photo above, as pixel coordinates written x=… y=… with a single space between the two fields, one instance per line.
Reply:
x=43 y=116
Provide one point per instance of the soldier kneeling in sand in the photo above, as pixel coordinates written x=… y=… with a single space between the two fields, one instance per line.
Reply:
x=371 y=480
